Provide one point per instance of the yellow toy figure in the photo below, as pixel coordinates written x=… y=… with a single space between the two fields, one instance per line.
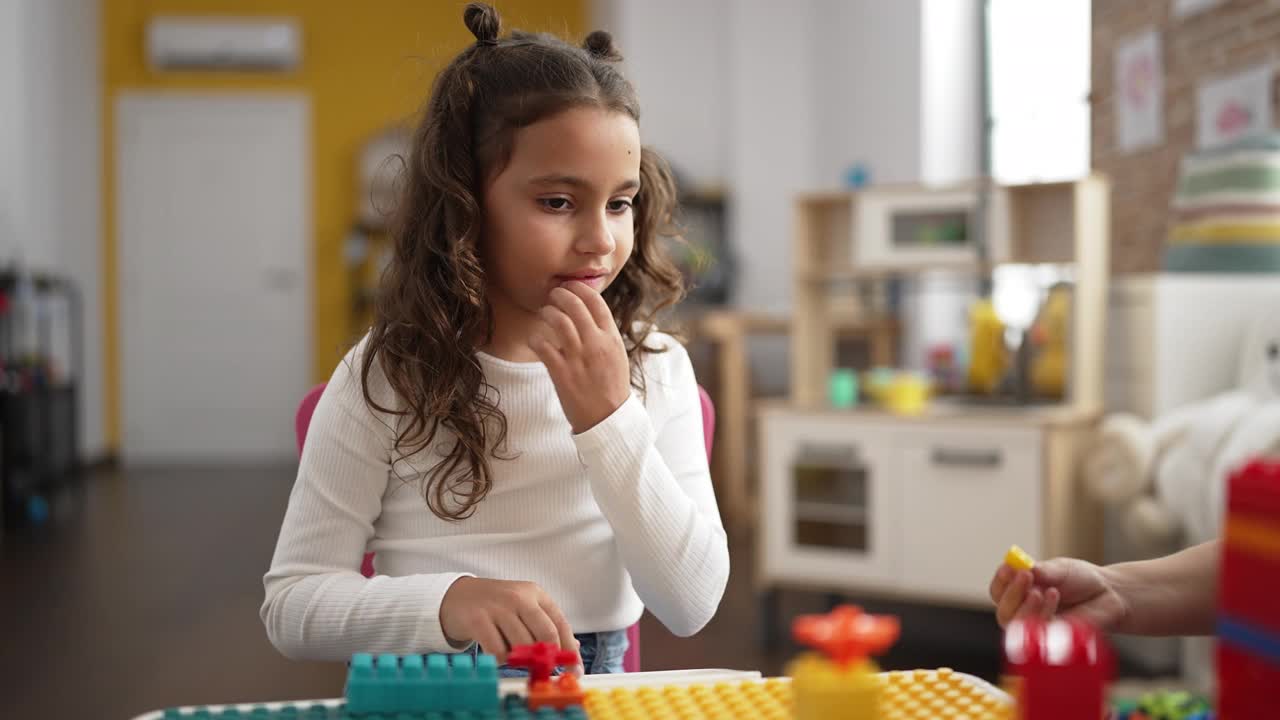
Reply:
x=1049 y=335
x=987 y=355
x=841 y=682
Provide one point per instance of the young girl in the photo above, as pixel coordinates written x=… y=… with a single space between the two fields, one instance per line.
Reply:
x=514 y=439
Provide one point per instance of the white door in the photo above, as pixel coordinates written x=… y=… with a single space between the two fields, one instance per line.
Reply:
x=213 y=211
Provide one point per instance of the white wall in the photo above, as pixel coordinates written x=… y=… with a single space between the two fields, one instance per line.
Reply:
x=680 y=70
x=949 y=90
x=769 y=99
x=50 y=180
x=866 y=59
x=771 y=117
x=12 y=124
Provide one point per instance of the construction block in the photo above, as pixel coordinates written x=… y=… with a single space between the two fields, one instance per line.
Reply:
x=1249 y=576
x=1246 y=684
x=315 y=711
x=559 y=693
x=1062 y=667
x=742 y=701
x=1251 y=639
x=1257 y=535
x=541 y=659
x=927 y=694
x=1249 y=586
x=907 y=695
x=1018 y=559
x=392 y=684
x=1255 y=489
x=824 y=690
x=840 y=683
x=846 y=635
x=514 y=707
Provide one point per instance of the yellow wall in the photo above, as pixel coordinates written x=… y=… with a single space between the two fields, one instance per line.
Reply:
x=365 y=65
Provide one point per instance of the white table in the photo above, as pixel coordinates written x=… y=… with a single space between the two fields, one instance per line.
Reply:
x=517 y=686
x=508 y=686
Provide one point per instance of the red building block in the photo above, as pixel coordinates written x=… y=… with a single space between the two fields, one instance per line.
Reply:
x=1249 y=578
x=541 y=659
x=1062 y=668
x=1249 y=587
x=1247 y=685
x=1255 y=488
x=846 y=635
x=559 y=693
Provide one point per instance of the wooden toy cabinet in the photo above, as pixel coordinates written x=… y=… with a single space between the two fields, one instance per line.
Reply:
x=923 y=507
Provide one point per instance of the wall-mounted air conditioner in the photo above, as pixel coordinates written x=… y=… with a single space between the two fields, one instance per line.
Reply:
x=191 y=43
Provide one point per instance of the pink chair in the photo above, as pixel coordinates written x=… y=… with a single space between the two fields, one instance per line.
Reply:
x=631 y=660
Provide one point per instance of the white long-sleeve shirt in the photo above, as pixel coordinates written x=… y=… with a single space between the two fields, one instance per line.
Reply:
x=608 y=522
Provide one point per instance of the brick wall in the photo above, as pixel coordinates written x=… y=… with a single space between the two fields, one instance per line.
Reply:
x=1229 y=37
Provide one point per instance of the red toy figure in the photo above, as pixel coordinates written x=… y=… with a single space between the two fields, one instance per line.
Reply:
x=541 y=659
x=1061 y=668
x=846 y=635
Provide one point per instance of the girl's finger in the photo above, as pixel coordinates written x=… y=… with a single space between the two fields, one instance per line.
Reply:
x=564 y=334
x=595 y=304
x=490 y=640
x=547 y=352
x=513 y=630
x=572 y=306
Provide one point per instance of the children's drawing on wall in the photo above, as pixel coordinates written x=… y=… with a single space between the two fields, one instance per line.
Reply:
x=1140 y=92
x=1233 y=107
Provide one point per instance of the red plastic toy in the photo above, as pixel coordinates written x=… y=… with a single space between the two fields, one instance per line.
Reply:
x=1249 y=583
x=1061 y=668
x=541 y=660
x=846 y=635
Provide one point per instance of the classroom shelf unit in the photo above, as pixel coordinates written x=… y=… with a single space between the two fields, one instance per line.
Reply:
x=922 y=508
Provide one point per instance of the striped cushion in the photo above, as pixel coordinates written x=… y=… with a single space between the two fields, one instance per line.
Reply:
x=1226 y=209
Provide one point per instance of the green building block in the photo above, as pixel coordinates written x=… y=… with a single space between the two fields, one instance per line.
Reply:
x=391 y=684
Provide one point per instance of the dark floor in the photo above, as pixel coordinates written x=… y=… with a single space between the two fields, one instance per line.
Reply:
x=143 y=590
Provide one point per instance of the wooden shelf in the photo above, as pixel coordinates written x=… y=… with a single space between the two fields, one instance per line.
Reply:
x=866 y=274
x=1061 y=223
x=1055 y=415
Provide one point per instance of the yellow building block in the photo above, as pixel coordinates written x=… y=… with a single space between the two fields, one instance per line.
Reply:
x=770 y=700
x=1018 y=559
x=902 y=695
x=932 y=694
x=824 y=690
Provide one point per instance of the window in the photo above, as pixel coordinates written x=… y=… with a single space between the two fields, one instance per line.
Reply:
x=1039 y=67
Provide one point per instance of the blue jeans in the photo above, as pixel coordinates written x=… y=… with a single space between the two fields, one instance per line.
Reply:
x=601 y=652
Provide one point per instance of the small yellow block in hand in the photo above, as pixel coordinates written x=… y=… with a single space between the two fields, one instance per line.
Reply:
x=1018 y=559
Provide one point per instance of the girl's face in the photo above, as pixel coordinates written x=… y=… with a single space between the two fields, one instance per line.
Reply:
x=559 y=210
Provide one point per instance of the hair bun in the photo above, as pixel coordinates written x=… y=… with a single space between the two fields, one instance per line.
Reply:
x=483 y=22
x=600 y=44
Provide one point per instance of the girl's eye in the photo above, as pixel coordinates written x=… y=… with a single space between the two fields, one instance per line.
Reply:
x=619 y=206
x=555 y=204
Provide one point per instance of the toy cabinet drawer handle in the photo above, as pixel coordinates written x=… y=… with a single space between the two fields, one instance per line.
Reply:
x=952 y=457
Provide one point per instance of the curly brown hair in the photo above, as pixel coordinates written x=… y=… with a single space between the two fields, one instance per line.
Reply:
x=431 y=313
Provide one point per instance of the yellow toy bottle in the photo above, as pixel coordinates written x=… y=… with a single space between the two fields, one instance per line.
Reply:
x=1049 y=335
x=988 y=357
